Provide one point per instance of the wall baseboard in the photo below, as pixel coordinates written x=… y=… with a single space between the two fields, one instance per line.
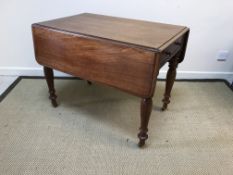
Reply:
x=35 y=71
x=228 y=76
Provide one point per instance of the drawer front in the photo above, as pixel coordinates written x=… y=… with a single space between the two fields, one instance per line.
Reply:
x=129 y=69
x=171 y=51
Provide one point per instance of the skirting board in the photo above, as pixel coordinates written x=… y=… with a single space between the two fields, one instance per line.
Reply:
x=28 y=71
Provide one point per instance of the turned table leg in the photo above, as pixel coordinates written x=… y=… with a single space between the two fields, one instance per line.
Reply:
x=48 y=72
x=171 y=75
x=146 y=106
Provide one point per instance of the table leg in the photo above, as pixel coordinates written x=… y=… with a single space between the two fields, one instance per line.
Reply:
x=146 y=106
x=48 y=72
x=171 y=75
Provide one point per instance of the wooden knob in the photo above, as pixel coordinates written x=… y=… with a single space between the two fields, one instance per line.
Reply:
x=168 y=53
x=177 y=43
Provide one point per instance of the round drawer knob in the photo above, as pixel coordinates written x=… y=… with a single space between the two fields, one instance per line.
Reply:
x=168 y=53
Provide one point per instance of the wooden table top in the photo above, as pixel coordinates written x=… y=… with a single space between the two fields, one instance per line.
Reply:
x=149 y=35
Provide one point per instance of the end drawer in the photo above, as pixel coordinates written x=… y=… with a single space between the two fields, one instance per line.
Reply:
x=171 y=51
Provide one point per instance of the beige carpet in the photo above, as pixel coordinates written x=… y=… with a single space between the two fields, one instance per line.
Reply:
x=93 y=131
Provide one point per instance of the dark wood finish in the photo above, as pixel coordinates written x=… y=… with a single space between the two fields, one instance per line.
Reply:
x=126 y=68
x=171 y=75
x=184 y=44
x=146 y=106
x=122 y=53
x=50 y=82
x=150 y=35
x=171 y=51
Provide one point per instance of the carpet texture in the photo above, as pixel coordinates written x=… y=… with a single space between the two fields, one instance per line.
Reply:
x=93 y=131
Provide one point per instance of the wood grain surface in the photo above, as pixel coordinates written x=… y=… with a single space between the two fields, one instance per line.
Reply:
x=123 y=53
x=129 y=69
x=150 y=35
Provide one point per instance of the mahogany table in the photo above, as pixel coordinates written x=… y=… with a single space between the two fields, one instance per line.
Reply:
x=123 y=53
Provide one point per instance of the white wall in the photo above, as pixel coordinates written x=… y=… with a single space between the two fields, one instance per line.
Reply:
x=210 y=22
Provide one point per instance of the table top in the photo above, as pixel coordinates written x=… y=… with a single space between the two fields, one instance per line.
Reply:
x=149 y=35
